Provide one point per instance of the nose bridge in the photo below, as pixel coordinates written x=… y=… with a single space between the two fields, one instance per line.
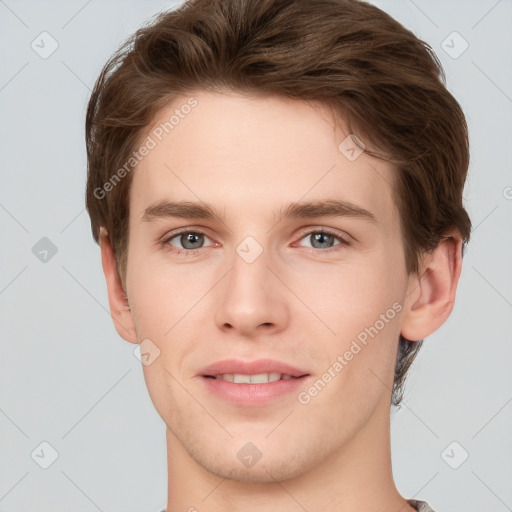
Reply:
x=250 y=278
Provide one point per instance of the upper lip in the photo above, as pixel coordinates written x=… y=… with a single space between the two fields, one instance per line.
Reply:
x=251 y=368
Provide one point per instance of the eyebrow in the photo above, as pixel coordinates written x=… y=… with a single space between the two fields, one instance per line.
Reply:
x=300 y=210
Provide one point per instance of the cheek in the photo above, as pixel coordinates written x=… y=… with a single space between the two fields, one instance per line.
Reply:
x=361 y=305
x=167 y=302
x=350 y=297
x=161 y=295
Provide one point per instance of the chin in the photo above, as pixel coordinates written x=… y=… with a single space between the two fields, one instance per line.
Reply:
x=259 y=461
x=262 y=472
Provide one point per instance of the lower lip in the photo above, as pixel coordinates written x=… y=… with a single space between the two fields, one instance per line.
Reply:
x=252 y=395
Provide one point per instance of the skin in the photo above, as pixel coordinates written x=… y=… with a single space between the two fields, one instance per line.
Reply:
x=249 y=156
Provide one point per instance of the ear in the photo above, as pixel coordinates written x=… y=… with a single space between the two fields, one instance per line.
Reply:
x=431 y=292
x=118 y=301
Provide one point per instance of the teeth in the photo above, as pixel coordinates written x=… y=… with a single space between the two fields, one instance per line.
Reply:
x=238 y=378
x=260 y=378
x=272 y=377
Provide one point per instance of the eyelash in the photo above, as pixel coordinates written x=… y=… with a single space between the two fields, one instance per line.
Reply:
x=166 y=242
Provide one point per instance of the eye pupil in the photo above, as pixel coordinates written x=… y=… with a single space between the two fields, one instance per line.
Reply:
x=190 y=238
x=321 y=238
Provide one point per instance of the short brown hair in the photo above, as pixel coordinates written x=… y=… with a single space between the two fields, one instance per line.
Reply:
x=384 y=82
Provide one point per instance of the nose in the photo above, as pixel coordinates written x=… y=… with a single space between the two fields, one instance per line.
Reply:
x=252 y=299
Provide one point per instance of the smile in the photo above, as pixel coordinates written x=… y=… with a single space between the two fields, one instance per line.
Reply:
x=259 y=378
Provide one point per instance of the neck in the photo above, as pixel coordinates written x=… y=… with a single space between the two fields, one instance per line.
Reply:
x=355 y=477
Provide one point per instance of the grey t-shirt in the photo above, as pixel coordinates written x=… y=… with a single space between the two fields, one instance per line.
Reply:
x=420 y=506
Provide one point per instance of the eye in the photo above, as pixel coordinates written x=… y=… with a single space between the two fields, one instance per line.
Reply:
x=185 y=241
x=190 y=242
x=324 y=240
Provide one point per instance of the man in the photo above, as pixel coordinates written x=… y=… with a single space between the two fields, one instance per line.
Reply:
x=276 y=187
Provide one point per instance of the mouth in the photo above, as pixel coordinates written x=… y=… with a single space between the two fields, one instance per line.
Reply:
x=259 y=378
x=252 y=383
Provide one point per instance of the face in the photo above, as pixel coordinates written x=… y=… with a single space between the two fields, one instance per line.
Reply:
x=311 y=296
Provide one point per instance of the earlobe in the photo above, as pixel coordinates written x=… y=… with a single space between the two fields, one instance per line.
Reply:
x=119 y=308
x=431 y=294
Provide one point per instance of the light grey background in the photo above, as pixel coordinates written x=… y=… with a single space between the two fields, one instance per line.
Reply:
x=69 y=380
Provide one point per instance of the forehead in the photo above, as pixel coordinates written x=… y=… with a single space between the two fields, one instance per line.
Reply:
x=255 y=153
